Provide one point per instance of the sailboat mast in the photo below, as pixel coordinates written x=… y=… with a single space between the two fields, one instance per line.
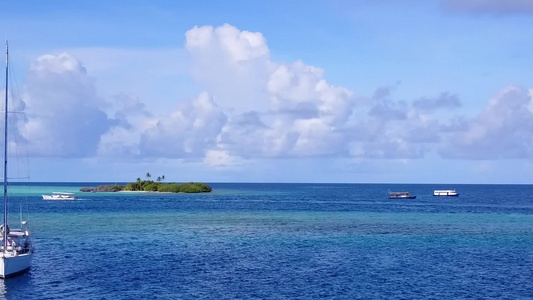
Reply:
x=5 y=154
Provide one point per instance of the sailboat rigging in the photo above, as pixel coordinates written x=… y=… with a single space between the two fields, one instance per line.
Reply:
x=16 y=249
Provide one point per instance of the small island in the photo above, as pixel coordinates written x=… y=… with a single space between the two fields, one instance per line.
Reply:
x=152 y=186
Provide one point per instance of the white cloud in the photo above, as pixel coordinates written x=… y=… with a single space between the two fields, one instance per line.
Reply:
x=257 y=108
x=218 y=158
x=119 y=142
x=290 y=108
x=231 y=64
x=503 y=130
x=61 y=103
x=189 y=131
x=132 y=119
x=235 y=44
x=301 y=88
x=317 y=138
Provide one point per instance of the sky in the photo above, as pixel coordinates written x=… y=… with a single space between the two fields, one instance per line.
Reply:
x=337 y=91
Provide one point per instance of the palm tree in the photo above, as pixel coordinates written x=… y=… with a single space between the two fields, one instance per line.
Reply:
x=138 y=185
x=162 y=177
x=148 y=175
x=158 y=178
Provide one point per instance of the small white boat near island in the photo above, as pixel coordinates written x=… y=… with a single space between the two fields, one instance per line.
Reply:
x=449 y=193
x=59 y=196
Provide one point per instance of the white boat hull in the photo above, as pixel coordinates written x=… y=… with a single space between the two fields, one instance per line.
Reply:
x=12 y=265
x=450 y=193
x=56 y=197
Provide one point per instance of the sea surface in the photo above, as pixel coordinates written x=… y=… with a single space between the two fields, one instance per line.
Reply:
x=278 y=241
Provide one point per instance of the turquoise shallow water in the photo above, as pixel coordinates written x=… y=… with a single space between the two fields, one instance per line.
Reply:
x=280 y=241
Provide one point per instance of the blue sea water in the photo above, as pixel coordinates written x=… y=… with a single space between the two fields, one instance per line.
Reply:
x=279 y=241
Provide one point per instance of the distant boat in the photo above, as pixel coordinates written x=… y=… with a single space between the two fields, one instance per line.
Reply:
x=401 y=195
x=59 y=196
x=450 y=193
x=16 y=249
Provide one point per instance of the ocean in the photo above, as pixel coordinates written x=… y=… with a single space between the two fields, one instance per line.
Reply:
x=278 y=241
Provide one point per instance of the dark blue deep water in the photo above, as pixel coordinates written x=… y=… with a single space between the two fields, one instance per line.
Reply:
x=279 y=241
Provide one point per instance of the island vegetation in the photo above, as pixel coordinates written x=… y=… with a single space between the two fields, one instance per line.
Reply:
x=149 y=185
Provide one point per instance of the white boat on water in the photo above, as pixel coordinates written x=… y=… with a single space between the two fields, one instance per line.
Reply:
x=451 y=193
x=16 y=250
x=59 y=196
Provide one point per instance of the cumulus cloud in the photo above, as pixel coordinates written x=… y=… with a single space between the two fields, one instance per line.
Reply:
x=299 y=87
x=231 y=64
x=128 y=110
x=62 y=108
x=188 y=131
x=503 y=130
x=235 y=44
x=399 y=129
x=259 y=108
x=254 y=107
x=275 y=109
x=490 y=6
x=130 y=104
x=119 y=142
x=132 y=118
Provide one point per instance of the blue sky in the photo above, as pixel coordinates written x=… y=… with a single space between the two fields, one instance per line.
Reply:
x=436 y=91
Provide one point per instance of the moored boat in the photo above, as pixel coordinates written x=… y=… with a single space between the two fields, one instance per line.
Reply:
x=59 y=196
x=450 y=193
x=401 y=195
x=16 y=249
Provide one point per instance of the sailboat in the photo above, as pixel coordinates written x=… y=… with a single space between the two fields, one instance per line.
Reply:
x=16 y=249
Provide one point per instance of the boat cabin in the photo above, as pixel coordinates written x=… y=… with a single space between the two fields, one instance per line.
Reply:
x=403 y=195
x=451 y=193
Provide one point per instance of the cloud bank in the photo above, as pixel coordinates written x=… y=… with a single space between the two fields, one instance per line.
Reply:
x=254 y=107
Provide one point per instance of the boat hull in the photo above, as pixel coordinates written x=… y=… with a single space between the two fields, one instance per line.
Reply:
x=445 y=193
x=401 y=195
x=53 y=197
x=13 y=265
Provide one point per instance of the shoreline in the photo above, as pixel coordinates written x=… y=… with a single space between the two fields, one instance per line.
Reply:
x=151 y=187
x=147 y=192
